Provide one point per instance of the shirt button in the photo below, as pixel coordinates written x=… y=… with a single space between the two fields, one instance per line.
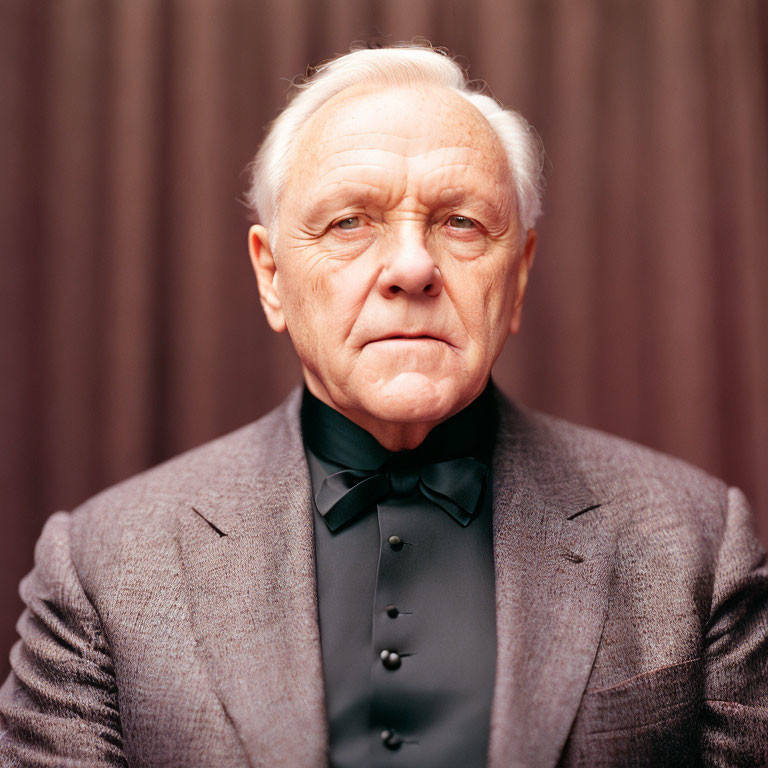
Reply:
x=391 y=660
x=392 y=611
x=390 y=739
x=395 y=542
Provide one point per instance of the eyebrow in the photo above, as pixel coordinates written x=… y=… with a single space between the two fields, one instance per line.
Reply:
x=492 y=205
x=350 y=194
x=345 y=194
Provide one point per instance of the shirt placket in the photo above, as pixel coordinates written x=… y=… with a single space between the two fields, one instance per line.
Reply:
x=403 y=552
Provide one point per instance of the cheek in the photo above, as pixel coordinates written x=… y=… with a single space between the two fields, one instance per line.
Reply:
x=304 y=285
x=323 y=302
x=347 y=285
x=481 y=292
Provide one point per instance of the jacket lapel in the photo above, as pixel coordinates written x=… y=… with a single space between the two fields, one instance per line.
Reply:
x=247 y=553
x=553 y=555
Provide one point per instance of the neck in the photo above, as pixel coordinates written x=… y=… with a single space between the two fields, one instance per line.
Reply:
x=392 y=435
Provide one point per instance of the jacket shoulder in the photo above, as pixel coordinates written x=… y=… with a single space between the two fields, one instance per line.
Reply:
x=642 y=493
x=209 y=473
x=613 y=463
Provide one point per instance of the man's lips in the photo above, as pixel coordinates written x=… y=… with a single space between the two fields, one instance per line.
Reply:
x=407 y=336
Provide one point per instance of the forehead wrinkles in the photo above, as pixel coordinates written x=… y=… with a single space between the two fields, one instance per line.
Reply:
x=361 y=129
x=372 y=166
x=441 y=176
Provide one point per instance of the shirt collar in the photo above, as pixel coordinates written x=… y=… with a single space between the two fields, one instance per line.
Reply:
x=332 y=436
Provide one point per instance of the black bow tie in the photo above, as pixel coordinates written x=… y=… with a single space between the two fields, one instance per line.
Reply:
x=454 y=485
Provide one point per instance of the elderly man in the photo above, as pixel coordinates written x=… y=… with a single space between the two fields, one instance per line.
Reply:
x=397 y=567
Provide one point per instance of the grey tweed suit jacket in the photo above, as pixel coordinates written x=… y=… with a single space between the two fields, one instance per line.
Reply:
x=172 y=620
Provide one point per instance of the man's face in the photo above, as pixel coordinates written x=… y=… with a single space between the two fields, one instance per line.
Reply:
x=398 y=267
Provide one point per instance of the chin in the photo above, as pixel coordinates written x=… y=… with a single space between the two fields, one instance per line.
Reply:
x=413 y=397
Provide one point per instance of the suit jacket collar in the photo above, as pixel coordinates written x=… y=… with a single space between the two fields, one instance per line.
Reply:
x=553 y=553
x=247 y=551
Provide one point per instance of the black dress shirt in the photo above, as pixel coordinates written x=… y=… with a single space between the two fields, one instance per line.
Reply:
x=406 y=600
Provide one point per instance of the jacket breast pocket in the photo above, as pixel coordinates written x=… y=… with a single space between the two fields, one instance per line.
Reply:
x=648 y=720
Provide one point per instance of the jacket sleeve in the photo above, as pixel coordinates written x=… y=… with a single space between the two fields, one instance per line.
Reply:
x=735 y=721
x=59 y=705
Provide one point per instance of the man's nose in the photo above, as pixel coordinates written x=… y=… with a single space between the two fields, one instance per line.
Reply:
x=410 y=269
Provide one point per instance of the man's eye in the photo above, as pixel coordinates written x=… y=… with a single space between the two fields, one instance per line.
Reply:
x=351 y=222
x=461 y=222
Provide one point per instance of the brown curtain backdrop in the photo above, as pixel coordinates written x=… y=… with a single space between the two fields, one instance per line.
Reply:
x=130 y=327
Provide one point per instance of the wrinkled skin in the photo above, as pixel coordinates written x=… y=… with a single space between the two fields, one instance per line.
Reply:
x=398 y=267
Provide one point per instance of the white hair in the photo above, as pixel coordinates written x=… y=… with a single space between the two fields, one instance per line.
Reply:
x=399 y=66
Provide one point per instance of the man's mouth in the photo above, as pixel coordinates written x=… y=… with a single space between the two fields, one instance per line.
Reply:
x=409 y=337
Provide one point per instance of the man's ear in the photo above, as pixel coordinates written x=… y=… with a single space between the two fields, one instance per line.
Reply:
x=265 y=269
x=524 y=264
